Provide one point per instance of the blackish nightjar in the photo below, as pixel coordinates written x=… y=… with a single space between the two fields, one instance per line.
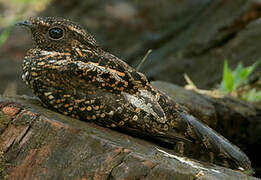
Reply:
x=71 y=74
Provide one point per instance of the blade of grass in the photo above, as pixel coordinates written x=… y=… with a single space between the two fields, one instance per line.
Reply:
x=227 y=83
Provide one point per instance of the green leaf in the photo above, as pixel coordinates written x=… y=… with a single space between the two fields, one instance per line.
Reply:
x=237 y=75
x=233 y=79
x=227 y=83
x=252 y=96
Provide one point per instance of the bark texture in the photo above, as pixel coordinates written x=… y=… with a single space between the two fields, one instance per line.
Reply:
x=38 y=143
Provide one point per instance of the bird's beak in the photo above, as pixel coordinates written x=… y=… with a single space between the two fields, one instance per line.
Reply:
x=25 y=23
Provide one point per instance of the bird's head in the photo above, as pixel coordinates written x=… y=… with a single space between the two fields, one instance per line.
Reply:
x=57 y=34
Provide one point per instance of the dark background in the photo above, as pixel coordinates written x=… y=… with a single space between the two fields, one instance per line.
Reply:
x=189 y=36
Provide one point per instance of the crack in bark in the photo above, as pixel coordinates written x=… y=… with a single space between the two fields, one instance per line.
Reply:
x=21 y=139
x=25 y=133
x=150 y=171
x=110 y=177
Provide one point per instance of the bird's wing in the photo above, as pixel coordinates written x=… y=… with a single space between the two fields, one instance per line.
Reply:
x=109 y=72
x=112 y=82
x=112 y=86
x=107 y=78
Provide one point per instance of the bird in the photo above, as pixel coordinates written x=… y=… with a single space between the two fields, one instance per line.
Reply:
x=70 y=73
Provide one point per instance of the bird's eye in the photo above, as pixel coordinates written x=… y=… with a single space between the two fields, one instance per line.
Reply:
x=56 y=33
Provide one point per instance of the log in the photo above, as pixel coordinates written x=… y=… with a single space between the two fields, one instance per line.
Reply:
x=38 y=143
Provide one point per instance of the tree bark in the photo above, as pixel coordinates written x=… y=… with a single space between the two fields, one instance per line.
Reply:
x=39 y=143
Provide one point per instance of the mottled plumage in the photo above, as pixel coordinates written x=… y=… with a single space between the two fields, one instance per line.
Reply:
x=71 y=74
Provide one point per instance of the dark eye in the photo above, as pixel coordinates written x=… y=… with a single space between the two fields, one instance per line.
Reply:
x=56 y=33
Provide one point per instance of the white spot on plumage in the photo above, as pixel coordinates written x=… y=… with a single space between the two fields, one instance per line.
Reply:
x=47 y=93
x=139 y=101
x=25 y=75
x=44 y=53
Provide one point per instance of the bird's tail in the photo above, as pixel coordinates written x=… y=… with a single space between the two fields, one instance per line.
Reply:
x=216 y=144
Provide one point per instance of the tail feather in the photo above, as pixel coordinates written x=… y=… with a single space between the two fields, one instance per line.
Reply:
x=216 y=143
